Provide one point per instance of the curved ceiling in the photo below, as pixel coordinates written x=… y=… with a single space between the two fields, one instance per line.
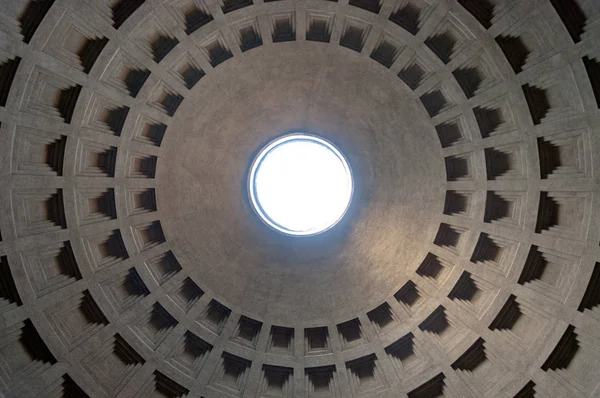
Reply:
x=132 y=264
x=208 y=220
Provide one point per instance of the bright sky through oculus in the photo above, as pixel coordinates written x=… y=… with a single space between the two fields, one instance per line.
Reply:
x=300 y=185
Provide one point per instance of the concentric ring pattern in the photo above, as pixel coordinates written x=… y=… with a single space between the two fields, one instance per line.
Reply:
x=99 y=298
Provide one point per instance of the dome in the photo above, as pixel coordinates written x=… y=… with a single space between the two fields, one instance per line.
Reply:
x=139 y=256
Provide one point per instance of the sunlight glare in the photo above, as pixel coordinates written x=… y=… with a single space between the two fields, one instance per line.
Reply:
x=303 y=185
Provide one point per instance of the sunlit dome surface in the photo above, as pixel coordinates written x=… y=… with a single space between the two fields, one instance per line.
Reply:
x=300 y=185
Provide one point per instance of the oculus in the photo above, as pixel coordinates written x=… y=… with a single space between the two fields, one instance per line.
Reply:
x=300 y=184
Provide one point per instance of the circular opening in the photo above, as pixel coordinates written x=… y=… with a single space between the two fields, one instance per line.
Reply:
x=300 y=184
